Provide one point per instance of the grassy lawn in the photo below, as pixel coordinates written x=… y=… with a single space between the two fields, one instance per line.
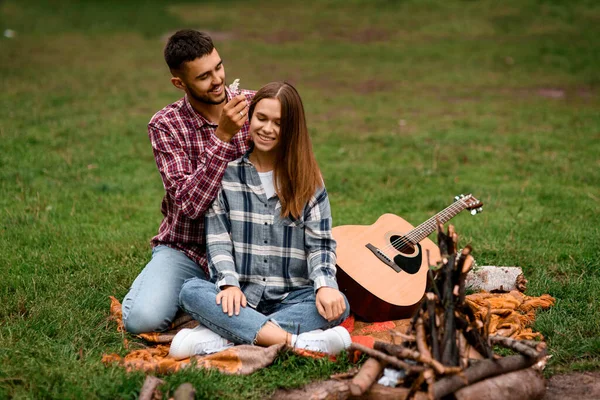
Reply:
x=409 y=103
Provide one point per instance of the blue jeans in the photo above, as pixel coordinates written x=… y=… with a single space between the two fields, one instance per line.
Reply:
x=153 y=300
x=297 y=313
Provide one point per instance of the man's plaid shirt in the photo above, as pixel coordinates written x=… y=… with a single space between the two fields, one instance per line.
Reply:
x=252 y=247
x=191 y=161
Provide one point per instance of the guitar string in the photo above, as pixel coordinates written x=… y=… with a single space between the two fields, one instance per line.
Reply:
x=413 y=235
x=409 y=238
x=406 y=239
x=444 y=216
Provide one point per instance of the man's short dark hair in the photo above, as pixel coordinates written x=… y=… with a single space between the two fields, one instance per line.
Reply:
x=187 y=45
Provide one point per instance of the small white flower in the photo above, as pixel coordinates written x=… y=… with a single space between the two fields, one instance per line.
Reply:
x=233 y=88
x=9 y=33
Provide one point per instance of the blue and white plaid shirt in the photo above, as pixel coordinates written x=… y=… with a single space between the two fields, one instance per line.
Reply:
x=250 y=246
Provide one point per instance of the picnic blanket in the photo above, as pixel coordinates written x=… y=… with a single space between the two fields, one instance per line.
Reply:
x=510 y=314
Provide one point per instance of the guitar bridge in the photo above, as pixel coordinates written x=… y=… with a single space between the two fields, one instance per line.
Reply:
x=383 y=258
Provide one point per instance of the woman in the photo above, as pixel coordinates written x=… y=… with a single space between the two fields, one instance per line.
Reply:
x=269 y=244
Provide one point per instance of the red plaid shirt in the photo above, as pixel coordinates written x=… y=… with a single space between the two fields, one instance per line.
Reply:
x=191 y=161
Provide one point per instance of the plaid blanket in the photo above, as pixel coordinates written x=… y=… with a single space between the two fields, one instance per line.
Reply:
x=510 y=314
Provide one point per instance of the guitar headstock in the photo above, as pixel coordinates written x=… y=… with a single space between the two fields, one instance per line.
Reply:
x=471 y=203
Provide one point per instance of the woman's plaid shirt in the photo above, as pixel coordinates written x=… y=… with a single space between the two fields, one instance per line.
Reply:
x=252 y=247
x=191 y=161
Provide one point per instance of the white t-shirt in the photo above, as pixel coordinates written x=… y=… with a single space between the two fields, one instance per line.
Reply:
x=266 y=178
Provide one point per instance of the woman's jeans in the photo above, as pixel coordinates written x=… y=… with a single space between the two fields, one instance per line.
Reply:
x=297 y=313
x=153 y=300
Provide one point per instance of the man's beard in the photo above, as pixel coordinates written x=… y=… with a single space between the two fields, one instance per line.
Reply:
x=205 y=99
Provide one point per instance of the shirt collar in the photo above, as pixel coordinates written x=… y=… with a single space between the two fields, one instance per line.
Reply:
x=246 y=156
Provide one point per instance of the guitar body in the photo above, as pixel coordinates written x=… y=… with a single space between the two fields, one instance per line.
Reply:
x=387 y=280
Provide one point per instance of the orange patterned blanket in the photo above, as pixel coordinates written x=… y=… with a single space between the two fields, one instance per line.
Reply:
x=511 y=314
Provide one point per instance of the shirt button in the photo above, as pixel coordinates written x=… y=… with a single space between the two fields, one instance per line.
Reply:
x=265 y=205
x=266 y=223
x=265 y=242
x=264 y=279
x=265 y=260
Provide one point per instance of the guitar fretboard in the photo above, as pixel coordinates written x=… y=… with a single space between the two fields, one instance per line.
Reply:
x=425 y=229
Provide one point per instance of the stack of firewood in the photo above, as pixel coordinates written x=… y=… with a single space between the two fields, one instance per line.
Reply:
x=447 y=352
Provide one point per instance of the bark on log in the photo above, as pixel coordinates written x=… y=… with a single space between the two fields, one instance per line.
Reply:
x=496 y=279
x=366 y=377
x=478 y=371
x=148 y=388
x=515 y=345
x=435 y=343
x=525 y=384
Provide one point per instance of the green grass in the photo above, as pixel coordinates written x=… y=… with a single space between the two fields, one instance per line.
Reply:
x=409 y=103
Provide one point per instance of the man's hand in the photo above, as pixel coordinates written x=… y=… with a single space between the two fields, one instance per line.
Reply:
x=233 y=117
x=230 y=298
x=330 y=303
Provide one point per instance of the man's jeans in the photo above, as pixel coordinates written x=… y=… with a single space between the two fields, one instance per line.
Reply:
x=297 y=313
x=153 y=300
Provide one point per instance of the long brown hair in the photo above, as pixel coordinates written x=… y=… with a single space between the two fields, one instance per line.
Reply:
x=296 y=174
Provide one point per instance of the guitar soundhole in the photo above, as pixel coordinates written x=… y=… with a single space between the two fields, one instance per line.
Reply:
x=402 y=244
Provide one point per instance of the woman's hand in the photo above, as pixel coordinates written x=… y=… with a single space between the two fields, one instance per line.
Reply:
x=330 y=303
x=230 y=298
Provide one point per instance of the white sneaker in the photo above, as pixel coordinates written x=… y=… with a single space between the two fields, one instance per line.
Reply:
x=330 y=341
x=200 y=340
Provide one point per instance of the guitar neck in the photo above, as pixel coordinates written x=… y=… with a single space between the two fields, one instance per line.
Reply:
x=425 y=229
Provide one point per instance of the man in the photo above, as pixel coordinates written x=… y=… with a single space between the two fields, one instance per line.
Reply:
x=193 y=139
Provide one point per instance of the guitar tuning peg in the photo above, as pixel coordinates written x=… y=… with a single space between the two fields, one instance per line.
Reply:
x=456 y=198
x=473 y=212
x=480 y=209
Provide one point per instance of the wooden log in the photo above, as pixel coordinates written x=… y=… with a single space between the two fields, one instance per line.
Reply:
x=422 y=339
x=345 y=375
x=149 y=387
x=338 y=390
x=185 y=391
x=478 y=371
x=515 y=345
x=525 y=384
x=435 y=341
x=380 y=392
x=410 y=369
x=449 y=348
x=365 y=378
x=403 y=352
x=324 y=390
x=496 y=279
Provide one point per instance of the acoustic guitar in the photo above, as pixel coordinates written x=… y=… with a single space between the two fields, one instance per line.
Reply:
x=382 y=268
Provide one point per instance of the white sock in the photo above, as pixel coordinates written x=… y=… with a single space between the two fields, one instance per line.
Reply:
x=293 y=340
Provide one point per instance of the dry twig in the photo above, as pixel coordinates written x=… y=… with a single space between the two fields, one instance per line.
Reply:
x=410 y=369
